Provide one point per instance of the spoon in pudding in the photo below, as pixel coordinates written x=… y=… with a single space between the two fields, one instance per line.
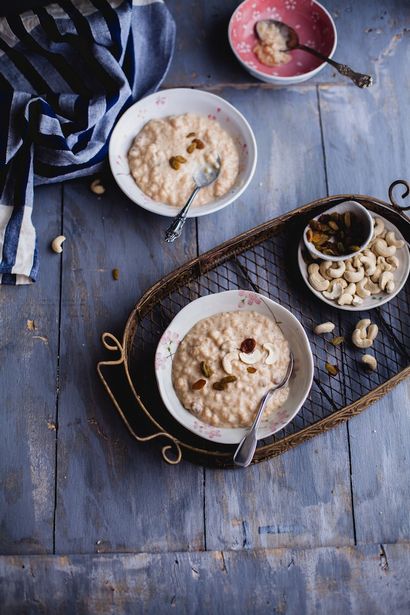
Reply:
x=247 y=446
x=267 y=28
x=202 y=178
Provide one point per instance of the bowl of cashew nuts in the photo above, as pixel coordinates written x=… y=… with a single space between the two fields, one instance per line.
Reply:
x=362 y=281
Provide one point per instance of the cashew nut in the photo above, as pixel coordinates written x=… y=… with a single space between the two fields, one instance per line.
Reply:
x=361 y=290
x=324 y=327
x=335 y=290
x=369 y=261
x=337 y=270
x=323 y=267
x=393 y=261
x=227 y=362
x=372 y=287
x=316 y=280
x=351 y=289
x=250 y=357
x=354 y=276
x=390 y=286
x=385 y=277
x=392 y=241
x=357 y=300
x=272 y=353
x=56 y=244
x=97 y=187
x=369 y=361
x=345 y=299
x=364 y=334
x=378 y=227
x=381 y=248
x=357 y=261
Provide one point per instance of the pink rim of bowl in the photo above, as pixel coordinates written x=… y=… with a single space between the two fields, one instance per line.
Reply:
x=312 y=22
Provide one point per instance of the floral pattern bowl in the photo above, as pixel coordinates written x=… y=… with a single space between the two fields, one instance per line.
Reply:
x=312 y=22
x=175 y=102
x=300 y=382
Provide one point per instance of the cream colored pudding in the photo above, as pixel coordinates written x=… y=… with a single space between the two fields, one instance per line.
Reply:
x=167 y=152
x=226 y=363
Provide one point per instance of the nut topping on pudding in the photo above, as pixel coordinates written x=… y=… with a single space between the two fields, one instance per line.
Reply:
x=167 y=152
x=238 y=356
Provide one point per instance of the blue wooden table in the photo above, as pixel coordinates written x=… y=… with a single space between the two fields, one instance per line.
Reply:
x=92 y=522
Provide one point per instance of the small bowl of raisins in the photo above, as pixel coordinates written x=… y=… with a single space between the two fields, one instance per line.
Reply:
x=340 y=232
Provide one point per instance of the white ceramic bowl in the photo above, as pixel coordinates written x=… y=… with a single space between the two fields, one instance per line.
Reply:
x=300 y=382
x=175 y=102
x=312 y=22
x=347 y=206
x=400 y=277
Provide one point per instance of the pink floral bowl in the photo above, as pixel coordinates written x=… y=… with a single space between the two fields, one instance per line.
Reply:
x=300 y=382
x=312 y=22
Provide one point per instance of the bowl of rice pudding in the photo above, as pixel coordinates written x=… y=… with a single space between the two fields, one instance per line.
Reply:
x=218 y=357
x=162 y=140
x=264 y=59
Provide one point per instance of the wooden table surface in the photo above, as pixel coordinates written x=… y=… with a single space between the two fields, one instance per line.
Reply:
x=91 y=521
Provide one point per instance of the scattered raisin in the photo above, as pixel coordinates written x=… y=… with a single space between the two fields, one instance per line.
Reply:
x=333 y=370
x=116 y=273
x=191 y=148
x=190 y=134
x=336 y=341
x=251 y=370
x=180 y=159
x=174 y=163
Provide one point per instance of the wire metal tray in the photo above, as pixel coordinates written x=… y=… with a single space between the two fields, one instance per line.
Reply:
x=264 y=259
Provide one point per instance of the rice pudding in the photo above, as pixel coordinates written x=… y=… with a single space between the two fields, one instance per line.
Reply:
x=168 y=151
x=226 y=363
x=272 y=45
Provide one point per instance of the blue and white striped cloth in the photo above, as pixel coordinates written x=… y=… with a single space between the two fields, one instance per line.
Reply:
x=67 y=70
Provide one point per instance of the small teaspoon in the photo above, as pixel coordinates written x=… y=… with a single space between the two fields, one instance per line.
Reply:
x=292 y=42
x=247 y=446
x=204 y=177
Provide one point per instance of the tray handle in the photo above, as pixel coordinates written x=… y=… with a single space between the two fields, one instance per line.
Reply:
x=110 y=342
x=395 y=204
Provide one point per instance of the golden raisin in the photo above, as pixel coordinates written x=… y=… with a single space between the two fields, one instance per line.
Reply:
x=199 y=384
x=191 y=148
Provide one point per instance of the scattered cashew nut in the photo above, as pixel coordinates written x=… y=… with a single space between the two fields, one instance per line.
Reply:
x=369 y=361
x=56 y=244
x=364 y=334
x=393 y=261
x=97 y=187
x=372 y=287
x=324 y=327
x=323 y=267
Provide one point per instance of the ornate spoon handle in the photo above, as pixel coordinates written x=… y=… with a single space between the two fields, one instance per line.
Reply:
x=359 y=79
x=176 y=226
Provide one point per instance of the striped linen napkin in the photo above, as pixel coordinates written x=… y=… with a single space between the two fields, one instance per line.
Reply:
x=67 y=70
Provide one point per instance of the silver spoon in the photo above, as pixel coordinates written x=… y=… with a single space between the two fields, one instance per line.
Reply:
x=204 y=177
x=292 y=42
x=247 y=446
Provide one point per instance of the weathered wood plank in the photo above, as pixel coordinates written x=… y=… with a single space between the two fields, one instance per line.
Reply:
x=28 y=381
x=303 y=497
x=367 y=143
x=342 y=581
x=203 y=57
x=113 y=494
